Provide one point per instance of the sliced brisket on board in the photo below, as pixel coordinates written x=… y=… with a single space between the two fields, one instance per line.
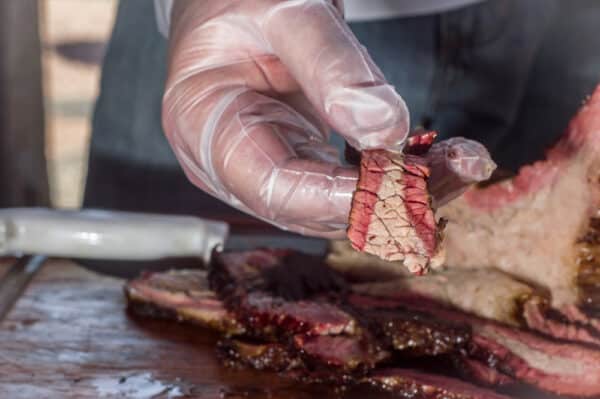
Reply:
x=317 y=322
x=489 y=294
x=238 y=278
x=382 y=323
x=402 y=383
x=182 y=295
x=558 y=367
x=486 y=293
x=543 y=225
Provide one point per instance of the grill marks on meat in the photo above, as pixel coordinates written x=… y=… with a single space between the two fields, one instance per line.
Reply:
x=391 y=214
x=520 y=225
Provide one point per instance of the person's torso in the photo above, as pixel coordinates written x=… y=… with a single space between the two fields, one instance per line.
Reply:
x=361 y=10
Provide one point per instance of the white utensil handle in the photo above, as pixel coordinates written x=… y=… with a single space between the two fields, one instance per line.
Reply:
x=96 y=234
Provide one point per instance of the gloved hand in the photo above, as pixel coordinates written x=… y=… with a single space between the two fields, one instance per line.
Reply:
x=253 y=88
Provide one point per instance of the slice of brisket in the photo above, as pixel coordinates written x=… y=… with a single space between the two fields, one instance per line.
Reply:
x=485 y=293
x=542 y=225
x=489 y=294
x=181 y=295
x=342 y=353
x=562 y=368
x=265 y=315
x=416 y=384
x=402 y=383
x=237 y=353
x=413 y=333
x=391 y=214
x=539 y=316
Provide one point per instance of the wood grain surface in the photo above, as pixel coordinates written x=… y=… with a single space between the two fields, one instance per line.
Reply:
x=69 y=336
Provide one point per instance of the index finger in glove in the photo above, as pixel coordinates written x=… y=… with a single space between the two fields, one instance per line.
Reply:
x=336 y=73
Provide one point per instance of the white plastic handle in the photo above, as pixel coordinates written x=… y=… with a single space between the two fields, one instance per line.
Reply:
x=96 y=234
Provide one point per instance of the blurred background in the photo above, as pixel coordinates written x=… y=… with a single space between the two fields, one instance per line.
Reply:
x=50 y=57
x=73 y=35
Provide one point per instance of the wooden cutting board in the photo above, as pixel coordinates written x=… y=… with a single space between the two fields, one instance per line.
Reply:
x=69 y=336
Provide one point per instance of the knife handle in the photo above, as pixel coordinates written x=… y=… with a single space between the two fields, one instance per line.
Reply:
x=96 y=234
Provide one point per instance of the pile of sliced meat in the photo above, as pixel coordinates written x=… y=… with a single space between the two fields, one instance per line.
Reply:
x=359 y=334
x=517 y=303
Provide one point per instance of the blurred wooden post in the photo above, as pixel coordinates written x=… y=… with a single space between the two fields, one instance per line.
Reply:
x=23 y=176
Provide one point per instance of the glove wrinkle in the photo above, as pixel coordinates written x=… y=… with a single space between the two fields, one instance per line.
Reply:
x=253 y=90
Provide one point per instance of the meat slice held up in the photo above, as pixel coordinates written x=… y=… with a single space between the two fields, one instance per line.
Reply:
x=392 y=213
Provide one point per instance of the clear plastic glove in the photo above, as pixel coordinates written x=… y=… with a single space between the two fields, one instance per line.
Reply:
x=253 y=88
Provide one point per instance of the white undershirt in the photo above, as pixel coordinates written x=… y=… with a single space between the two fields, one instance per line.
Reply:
x=355 y=10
